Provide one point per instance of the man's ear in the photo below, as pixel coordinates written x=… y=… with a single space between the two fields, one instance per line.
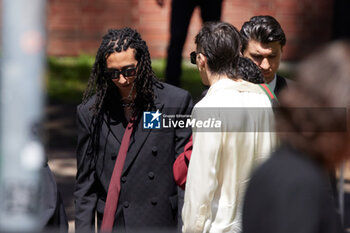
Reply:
x=201 y=60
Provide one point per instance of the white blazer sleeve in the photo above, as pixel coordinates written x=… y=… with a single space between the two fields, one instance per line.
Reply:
x=201 y=181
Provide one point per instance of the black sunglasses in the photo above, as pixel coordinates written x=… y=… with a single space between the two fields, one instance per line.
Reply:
x=115 y=73
x=193 y=57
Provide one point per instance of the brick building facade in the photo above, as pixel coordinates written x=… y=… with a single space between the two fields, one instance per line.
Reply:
x=76 y=26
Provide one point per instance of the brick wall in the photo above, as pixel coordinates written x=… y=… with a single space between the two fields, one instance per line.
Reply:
x=76 y=26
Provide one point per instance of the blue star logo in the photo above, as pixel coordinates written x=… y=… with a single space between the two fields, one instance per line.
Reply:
x=151 y=120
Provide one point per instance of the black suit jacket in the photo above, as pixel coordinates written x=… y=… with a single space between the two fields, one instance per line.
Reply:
x=148 y=197
x=281 y=83
x=290 y=193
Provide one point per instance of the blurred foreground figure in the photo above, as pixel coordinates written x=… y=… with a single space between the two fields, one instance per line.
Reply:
x=53 y=216
x=291 y=192
x=124 y=170
x=224 y=156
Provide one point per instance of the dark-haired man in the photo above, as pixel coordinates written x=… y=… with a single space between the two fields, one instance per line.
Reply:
x=224 y=155
x=262 y=41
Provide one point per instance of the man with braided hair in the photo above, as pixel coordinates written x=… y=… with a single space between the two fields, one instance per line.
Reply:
x=125 y=171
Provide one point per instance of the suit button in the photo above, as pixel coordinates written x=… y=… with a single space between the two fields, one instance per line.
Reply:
x=154 y=201
x=151 y=175
x=126 y=204
x=154 y=151
x=123 y=179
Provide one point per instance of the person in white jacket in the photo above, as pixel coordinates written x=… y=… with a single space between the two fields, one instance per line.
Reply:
x=238 y=135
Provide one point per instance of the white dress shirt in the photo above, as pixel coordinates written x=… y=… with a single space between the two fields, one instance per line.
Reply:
x=272 y=84
x=222 y=161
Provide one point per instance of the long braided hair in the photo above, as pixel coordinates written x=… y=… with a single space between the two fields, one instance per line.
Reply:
x=117 y=40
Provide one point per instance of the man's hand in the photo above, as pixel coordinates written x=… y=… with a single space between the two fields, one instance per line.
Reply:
x=160 y=3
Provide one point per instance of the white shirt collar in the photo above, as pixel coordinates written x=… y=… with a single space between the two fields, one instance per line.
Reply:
x=272 y=84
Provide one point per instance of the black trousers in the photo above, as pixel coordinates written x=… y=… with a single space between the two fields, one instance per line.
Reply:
x=181 y=12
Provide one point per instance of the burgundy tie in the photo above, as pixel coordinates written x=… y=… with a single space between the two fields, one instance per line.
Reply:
x=114 y=185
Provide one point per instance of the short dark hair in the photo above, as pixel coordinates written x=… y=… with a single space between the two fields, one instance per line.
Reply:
x=263 y=28
x=220 y=43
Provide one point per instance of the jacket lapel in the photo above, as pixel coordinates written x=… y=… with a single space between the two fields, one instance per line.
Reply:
x=116 y=124
x=280 y=84
x=138 y=139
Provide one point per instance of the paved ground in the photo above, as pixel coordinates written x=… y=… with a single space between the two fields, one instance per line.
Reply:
x=60 y=130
